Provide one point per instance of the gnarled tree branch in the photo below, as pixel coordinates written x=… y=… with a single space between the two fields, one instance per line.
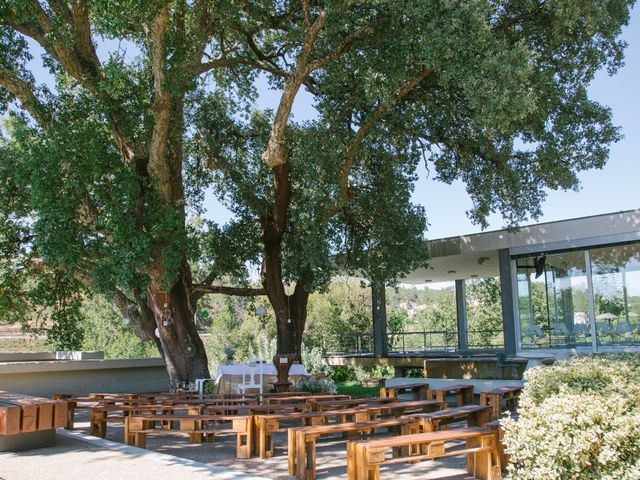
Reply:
x=24 y=93
x=237 y=291
x=365 y=127
x=343 y=47
x=76 y=53
x=275 y=154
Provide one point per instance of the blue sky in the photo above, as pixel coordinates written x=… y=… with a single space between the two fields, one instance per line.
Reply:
x=614 y=188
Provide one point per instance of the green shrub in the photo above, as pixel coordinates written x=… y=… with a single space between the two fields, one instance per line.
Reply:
x=313 y=385
x=579 y=419
x=105 y=331
x=314 y=361
x=343 y=373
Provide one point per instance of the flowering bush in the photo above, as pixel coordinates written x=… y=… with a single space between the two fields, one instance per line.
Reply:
x=313 y=385
x=579 y=419
x=314 y=361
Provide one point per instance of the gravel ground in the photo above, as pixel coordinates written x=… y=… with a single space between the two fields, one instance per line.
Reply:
x=77 y=459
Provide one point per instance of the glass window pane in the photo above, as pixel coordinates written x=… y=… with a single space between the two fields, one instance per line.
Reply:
x=553 y=301
x=616 y=289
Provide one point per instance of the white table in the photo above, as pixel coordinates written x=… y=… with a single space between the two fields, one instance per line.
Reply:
x=228 y=376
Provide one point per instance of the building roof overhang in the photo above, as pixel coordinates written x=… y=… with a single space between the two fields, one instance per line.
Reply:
x=476 y=255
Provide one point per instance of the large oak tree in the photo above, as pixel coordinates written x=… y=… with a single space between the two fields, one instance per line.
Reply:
x=101 y=174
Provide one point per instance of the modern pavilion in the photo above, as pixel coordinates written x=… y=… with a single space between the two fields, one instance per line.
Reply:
x=570 y=286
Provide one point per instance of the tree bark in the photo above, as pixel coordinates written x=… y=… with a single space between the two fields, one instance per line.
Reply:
x=184 y=352
x=290 y=310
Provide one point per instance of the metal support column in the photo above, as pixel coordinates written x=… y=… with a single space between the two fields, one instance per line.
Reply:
x=461 y=314
x=379 y=306
x=592 y=303
x=508 y=290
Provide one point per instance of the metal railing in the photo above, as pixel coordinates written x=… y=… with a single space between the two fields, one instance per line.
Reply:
x=485 y=339
x=405 y=343
x=349 y=344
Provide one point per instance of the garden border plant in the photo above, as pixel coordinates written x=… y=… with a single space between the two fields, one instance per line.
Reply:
x=578 y=419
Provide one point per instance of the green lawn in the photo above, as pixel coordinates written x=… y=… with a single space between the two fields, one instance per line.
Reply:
x=356 y=390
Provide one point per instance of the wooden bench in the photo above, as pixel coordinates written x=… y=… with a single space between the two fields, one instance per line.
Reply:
x=302 y=446
x=462 y=392
x=267 y=424
x=364 y=457
x=100 y=414
x=29 y=422
x=90 y=401
x=419 y=390
x=198 y=427
x=24 y=413
x=304 y=398
x=494 y=398
x=336 y=404
x=475 y=415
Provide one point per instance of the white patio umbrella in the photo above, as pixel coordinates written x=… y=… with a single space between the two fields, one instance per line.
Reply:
x=606 y=316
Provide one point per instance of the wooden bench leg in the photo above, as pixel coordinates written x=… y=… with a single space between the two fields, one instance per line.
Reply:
x=490 y=468
x=265 y=438
x=351 y=461
x=98 y=424
x=291 y=451
x=310 y=456
x=130 y=427
x=362 y=469
x=126 y=430
x=243 y=439
x=254 y=435
x=243 y=449
x=140 y=440
x=71 y=412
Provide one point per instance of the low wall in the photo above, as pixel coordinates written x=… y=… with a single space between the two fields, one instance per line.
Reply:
x=477 y=367
x=42 y=378
x=48 y=356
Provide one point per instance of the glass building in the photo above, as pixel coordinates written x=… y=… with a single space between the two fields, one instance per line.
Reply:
x=585 y=299
x=571 y=285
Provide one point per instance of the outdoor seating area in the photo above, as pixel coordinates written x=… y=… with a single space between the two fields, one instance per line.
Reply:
x=412 y=423
x=337 y=240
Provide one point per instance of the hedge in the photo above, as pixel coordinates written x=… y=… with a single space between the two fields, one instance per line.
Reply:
x=578 y=419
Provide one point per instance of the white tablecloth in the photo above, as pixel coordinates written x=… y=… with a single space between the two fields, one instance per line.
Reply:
x=228 y=376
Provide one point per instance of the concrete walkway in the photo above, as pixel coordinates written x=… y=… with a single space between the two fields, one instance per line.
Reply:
x=81 y=457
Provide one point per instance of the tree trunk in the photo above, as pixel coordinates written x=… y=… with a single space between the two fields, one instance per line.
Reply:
x=183 y=350
x=290 y=310
x=291 y=322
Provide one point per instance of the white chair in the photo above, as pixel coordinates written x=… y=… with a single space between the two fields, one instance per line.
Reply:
x=249 y=374
x=624 y=329
x=200 y=384
x=535 y=333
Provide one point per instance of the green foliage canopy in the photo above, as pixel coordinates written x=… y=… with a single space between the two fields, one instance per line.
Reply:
x=99 y=174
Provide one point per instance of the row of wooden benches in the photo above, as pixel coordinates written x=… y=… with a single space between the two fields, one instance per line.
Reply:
x=463 y=394
x=314 y=425
x=203 y=418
